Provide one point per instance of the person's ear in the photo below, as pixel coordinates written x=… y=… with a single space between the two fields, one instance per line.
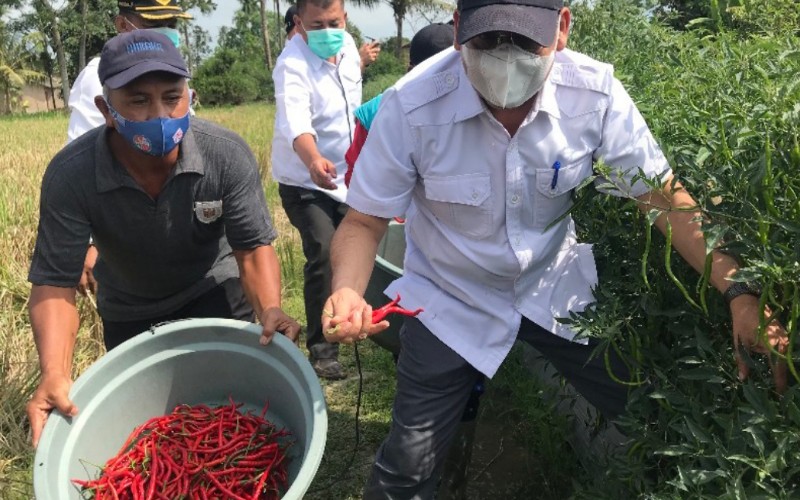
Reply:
x=120 y=23
x=102 y=105
x=455 y=30
x=563 y=28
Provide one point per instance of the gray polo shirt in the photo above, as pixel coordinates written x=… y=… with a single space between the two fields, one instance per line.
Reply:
x=156 y=255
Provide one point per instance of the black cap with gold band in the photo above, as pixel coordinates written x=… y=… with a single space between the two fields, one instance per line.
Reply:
x=154 y=9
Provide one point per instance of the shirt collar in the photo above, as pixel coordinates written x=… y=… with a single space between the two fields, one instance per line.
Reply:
x=110 y=174
x=546 y=100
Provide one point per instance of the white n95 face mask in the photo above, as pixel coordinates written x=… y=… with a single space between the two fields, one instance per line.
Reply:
x=506 y=76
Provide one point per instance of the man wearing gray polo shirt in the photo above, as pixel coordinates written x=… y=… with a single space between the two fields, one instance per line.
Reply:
x=177 y=212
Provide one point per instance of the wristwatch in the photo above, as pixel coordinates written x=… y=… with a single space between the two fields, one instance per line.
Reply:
x=741 y=288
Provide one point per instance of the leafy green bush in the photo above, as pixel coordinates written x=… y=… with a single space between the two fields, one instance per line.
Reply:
x=227 y=78
x=379 y=85
x=746 y=17
x=725 y=110
x=386 y=64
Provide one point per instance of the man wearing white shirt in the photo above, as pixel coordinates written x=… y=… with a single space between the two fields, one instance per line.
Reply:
x=317 y=87
x=482 y=148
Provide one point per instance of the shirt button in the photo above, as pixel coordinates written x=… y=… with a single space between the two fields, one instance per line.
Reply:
x=516 y=241
x=449 y=80
x=514 y=200
x=474 y=195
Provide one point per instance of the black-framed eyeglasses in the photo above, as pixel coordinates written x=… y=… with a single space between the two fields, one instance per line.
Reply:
x=493 y=39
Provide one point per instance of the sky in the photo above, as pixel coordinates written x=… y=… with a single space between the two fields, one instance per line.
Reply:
x=376 y=23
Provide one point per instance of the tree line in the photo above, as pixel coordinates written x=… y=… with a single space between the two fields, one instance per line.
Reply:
x=50 y=41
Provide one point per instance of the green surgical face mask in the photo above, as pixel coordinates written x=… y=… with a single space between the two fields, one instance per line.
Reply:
x=171 y=33
x=327 y=42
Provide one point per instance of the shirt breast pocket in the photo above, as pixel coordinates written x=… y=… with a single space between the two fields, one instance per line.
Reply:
x=462 y=203
x=553 y=195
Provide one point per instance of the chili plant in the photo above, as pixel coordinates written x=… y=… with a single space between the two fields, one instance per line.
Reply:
x=725 y=109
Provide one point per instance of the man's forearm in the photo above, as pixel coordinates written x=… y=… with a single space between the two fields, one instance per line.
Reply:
x=687 y=235
x=260 y=276
x=353 y=250
x=54 y=319
x=306 y=148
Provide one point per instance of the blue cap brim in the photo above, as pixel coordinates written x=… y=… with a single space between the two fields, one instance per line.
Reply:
x=134 y=72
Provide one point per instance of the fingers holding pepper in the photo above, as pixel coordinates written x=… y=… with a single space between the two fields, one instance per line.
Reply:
x=348 y=318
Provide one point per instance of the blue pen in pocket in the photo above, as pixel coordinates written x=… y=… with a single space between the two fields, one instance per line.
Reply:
x=556 y=168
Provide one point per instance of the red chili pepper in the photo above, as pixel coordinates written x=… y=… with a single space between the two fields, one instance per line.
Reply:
x=392 y=307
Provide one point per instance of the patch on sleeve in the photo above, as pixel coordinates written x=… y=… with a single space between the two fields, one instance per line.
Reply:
x=208 y=211
x=427 y=90
x=597 y=77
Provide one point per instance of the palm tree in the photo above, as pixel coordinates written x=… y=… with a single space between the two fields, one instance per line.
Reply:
x=401 y=9
x=47 y=18
x=16 y=68
x=205 y=7
x=265 y=33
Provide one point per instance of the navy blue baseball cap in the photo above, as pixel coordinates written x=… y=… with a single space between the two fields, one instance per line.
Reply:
x=130 y=55
x=535 y=19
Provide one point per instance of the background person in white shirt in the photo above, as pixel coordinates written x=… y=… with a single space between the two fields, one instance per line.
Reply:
x=482 y=148
x=368 y=52
x=317 y=87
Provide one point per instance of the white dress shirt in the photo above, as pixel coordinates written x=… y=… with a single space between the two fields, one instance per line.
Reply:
x=84 y=115
x=485 y=244
x=314 y=96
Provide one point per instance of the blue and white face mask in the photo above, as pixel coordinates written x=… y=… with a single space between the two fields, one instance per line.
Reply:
x=155 y=137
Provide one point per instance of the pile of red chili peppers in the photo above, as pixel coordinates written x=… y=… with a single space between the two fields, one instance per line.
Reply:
x=197 y=452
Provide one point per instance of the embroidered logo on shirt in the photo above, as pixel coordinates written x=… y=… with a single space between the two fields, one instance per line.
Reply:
x=208 y=211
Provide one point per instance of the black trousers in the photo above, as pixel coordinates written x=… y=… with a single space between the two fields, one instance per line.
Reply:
x=316 y=216
x=226 y=300
x=433 y=387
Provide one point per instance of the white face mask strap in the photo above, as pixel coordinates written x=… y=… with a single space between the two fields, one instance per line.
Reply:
x=130 y=23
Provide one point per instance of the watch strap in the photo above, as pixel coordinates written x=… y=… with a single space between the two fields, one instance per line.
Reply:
x=741 y=288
